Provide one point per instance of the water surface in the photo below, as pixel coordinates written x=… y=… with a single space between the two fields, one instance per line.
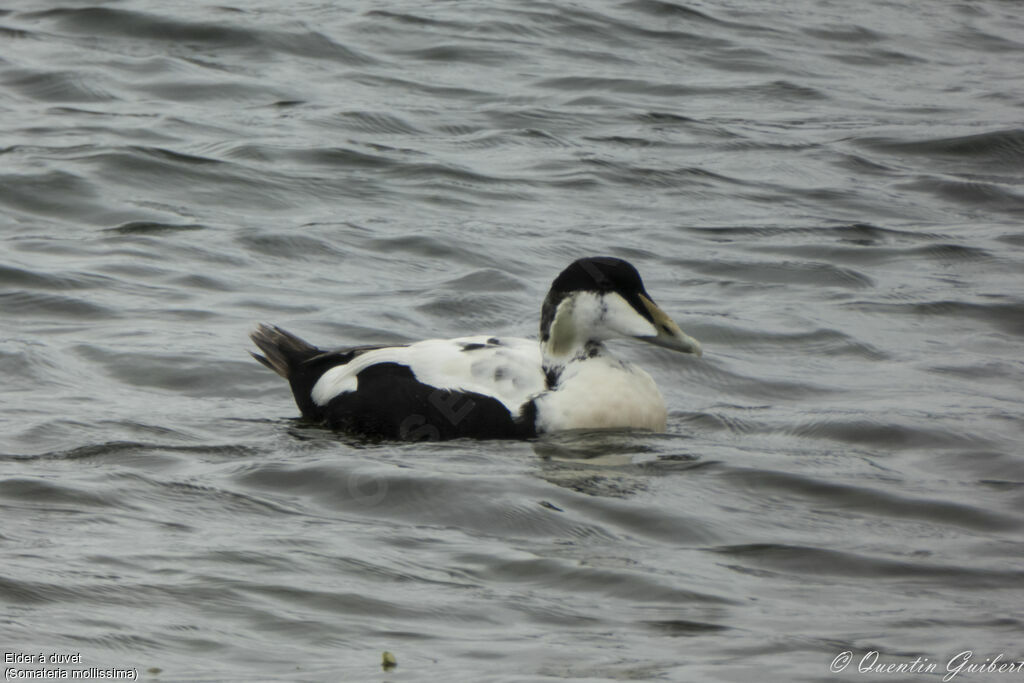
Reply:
x=831 y=199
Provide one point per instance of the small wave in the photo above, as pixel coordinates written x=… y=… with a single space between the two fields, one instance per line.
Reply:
x=375 y=122
x=886 y=435
x=717 y=375
x=135 y=26
x=820 y=342
x=1006 y=316
x=871 y=501
x=431 y=246
x=31 y=279
x=973 y=193
x=381 y=492
x=24 y=592
x=150 y=455
x=195 y=178
x=663 y=9
x=181 y=373
x=376 y=17
x=45 y=493
x=424 y=87
x=152 y=228
x=454 y=52
x=484 y=280
x=62 y=86
x=1000 y=149
x=291 y=246
x=822 y=274
x=544 y=572
x=40 y=304
x=49 y=193
x=861 y=234
x=189 y=90
x=792 y=560
x=846 y=33
x=623 y=85
x=860 y=245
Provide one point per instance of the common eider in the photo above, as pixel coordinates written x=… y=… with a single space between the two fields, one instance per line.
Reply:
x=494 y=387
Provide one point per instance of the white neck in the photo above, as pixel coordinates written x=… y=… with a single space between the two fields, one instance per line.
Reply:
x=585 y=319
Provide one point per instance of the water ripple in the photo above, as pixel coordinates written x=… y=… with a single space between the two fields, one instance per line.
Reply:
x=819 y=561
x=133 y=26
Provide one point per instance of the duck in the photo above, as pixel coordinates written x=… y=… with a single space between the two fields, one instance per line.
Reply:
x=494 y=387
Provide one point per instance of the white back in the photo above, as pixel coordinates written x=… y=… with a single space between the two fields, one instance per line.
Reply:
x=510 y=371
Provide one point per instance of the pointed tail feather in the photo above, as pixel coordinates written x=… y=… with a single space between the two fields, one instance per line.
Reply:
x=301 y=363
x=283 y=351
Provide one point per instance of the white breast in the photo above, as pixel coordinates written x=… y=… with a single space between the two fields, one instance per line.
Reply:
x=602 y=393
x=509 y=371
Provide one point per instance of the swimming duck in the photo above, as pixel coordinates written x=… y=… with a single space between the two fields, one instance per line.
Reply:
x=494 y=387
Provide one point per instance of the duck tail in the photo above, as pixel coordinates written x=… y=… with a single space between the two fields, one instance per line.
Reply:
x=283 y=352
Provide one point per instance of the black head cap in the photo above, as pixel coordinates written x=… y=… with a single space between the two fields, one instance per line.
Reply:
x=597 y=274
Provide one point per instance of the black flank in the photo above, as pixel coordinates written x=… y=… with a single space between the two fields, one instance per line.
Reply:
x=390 y=403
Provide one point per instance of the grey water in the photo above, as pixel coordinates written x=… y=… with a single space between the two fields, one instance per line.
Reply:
x=829 y=196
